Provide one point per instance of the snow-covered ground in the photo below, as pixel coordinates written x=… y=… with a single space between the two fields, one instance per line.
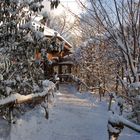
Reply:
x=73 y=116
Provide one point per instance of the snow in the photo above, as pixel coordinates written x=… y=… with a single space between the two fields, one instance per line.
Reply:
x=39 y=35
x=112 y=129
x=134 y=90
x=10 y=98
x=47 y=83
x=38 y=4
x=119 y=101
x=28 y=25
x=1 y=77
x=8 y=90
x=28 y=38
x=51 y=32
x=134 y=85
x=114 y=118
x=128 y=123
x=128 y=134
x=45 y=14
x=68 y=120
x=36 y=88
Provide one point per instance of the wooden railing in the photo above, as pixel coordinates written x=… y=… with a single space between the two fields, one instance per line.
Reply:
x=9 y=103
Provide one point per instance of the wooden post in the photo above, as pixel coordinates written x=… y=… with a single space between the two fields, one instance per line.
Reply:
x=69 y=68
x=10 y=114
x=60 y=71
x=114 y=135
x=117 y=84
x=69 y=71
x=110 y=101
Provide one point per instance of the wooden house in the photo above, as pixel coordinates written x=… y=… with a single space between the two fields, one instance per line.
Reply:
x=59 y=56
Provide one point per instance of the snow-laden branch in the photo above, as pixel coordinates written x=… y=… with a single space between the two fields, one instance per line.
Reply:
x=17 y=98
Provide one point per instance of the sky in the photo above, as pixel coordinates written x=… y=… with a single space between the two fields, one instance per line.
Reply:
x=71 y=5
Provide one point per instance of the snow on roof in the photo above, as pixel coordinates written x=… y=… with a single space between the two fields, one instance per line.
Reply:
x=50 y=32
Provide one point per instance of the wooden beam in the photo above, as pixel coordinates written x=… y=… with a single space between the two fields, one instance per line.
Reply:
x=20 y=99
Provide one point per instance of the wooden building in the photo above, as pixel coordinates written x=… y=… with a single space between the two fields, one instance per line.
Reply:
x=59 y=56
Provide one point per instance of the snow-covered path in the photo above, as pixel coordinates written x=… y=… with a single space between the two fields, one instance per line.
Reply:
x=74 y=116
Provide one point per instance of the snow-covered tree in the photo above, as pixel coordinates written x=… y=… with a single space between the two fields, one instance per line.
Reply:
x=118 y=23
x=19 y=40
x=20 y=46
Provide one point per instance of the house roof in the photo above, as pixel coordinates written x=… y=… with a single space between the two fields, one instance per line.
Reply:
x=50 y=33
